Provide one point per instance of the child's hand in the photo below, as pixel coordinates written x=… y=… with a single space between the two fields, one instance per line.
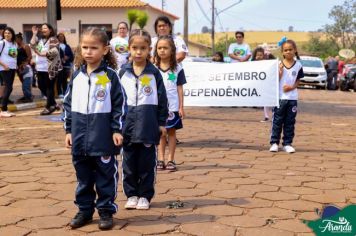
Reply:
x=163 y=131
x=181 y=113
x=68 y=140
x=117 y=139
x=34 y=30
x=280 y=69
x=287 y=88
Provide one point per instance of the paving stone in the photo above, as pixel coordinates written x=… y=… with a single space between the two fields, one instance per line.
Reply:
x=20 y=179
x=257 y=188
x=208 y=229
x=231 y=194
x=31 y=203
x=272 y=213
x=57 y=232
x=44 y=222
x=283 y=182
x=242 y=221
x=325 y=198
x=276 y=196
x=219 y=210
x=298 y=205
x=172 y=184
x=14 y=231
x=189 y=218
x=189 y=192
x=216 y=186
x=264 y=231
x=9 y=219
x=241 y=181
x=149 y=227
x=323 y=185
x=28 y=194
x=301 y=190
x=250 y=202
x=291 y=225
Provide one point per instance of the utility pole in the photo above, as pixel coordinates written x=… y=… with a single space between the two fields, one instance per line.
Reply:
x=52 y=14
x=163 y=3
x=213 y=27
x=186 y=21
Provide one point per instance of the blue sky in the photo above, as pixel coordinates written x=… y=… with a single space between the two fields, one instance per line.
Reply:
x=262 y=15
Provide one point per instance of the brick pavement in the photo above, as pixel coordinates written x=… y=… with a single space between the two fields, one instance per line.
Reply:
x=229 y=183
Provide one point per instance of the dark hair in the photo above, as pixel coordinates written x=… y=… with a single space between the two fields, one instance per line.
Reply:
x=123 y=22
x=52 y=32
x=140 y=33
x=19 y=36
x=294 y=45
x=166 y=20
x=13 y=36
x=61 y=34
x=221 y=55
x=173 y=60
x=101 y=35
x=240 y=32
x=258 y=49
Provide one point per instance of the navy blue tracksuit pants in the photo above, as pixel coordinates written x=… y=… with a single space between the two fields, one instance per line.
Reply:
x=139 y=170
x=284 y=118
x=101 y=172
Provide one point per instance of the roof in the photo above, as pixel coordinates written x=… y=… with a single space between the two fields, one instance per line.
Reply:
x=82 y=4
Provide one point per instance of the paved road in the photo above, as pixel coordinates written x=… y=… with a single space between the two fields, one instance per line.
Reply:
x=229 y=183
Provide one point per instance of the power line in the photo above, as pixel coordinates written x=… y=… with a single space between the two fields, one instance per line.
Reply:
x=202 y=10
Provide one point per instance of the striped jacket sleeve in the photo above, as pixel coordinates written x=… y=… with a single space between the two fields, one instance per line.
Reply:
x=67 y=107
x=162 y=100
x=118 y=103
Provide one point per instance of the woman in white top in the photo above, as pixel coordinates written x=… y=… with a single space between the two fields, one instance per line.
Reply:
x=163 y=27
x=8 y=65
x=47 y=63
x=119 y=44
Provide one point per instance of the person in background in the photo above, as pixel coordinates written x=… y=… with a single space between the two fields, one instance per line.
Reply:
x=24 y=69
x=174 y=79
x=8 y=64
x=119 y=44
x=67 y=63
x=163 y=27
x=239 y=51
x=218 y=57
x=48 y=64
x=290 y=72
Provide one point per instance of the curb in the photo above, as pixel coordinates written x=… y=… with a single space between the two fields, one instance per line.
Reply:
x=31 y=105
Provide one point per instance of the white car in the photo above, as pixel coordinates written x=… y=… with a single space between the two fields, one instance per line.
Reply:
x=314 y=72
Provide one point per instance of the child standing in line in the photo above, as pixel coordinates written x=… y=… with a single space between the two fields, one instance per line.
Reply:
x=174 y=78
x=145 y=120
x=290 y=72
x=257 y=55
x=95 y=108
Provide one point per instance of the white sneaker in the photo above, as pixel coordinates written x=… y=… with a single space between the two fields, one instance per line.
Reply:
x=6 y=114
x=274 y=148
x=288 y=148
x=143 y=204
x=131 y=202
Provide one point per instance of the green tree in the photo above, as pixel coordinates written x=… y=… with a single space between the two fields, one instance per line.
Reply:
x=344 y=26
x=321 y=48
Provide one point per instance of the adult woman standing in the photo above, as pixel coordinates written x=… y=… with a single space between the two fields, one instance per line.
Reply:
x=48 y=64
x=119 y=44
x=163 y=27
x=8 y=64
x=24 y=70
x=67 y=62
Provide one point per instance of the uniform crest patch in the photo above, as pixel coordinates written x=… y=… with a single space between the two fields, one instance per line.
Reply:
x=294 y=73
x=105 y=159
x=147 y=90
x=294 y=109
x=100 y=94
x=170 y=115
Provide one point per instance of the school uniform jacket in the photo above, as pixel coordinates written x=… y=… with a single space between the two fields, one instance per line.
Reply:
x=147 y=104
x=95 y=108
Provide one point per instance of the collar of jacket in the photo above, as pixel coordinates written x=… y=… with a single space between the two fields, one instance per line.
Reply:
x=149 y=69
x=102 y=67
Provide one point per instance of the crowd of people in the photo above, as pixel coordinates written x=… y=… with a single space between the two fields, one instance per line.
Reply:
x=125 y=96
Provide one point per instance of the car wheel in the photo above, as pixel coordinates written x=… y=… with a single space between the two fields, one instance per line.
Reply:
x=343 y=86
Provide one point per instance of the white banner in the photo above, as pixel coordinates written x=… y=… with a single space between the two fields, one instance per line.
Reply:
x=231 y=84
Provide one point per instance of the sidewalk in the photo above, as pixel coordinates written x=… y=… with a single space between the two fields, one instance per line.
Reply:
x=228 y=181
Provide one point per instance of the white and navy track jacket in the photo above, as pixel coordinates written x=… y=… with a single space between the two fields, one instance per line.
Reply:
x=147 y=104
x=94 y=109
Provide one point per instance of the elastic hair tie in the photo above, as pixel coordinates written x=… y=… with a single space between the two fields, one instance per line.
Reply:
x=283 y=40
